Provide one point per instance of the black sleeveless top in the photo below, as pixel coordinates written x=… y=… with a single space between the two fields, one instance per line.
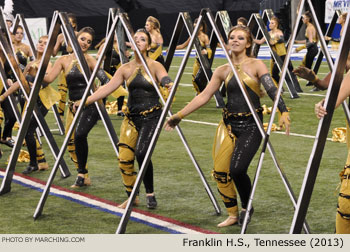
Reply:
x=142 y=94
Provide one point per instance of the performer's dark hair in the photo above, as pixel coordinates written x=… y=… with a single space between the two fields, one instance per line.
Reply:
x=203 y=24
x=308 y=15
x=74 y=20
x=147 y=33
x=242 y=20
x=18 y=27
x=87 y=29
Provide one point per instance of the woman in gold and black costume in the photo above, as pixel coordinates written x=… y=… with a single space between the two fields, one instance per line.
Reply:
x=310 y=43
x=47 y=97
x=23 y=54
x=153 y=27
x=65 y=49
x=278 y=46
x=198 y=83
x=142 y=114
x=237 y=137
x=76 y=83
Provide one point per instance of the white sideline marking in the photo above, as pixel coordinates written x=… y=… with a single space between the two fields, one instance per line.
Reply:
x=278 y=132
x=107 y=206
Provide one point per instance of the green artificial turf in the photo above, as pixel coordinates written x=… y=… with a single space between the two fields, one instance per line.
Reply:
x=179 y=190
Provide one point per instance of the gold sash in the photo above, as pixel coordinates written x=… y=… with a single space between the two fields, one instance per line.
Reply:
x=246 y=79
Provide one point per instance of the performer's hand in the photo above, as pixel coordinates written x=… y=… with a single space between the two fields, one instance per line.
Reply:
x=320 y=111
x=285 y=120
x=76 y=105
x=327 y=38
x=2 y=98
x=172 y=122
x=204 y=52
x=9 y=82
x=169 y=86
x=305 y=73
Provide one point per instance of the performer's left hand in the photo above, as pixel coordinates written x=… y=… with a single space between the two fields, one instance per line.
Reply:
x=169 y=86
x=172 y=122
x=305 y=73
x=320 y=111
x=285 y=120
x=76 y=105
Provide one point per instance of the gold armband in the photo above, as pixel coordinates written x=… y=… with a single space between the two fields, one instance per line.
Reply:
x=179 y=114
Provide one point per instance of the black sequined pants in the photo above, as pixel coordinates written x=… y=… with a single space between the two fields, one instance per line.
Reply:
x=30 y=136
x=247 y=144
x=86 y=122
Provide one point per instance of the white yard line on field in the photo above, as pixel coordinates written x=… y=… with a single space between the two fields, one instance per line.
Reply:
x=278 y=132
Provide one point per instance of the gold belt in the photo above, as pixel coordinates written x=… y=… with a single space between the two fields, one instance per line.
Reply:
x=227 y=114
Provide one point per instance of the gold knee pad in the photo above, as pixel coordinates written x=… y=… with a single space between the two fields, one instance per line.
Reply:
x=343 y=209
x=196 y=67
x=62 y=89
x=223 y=147
x=40 y=156
x=1 y=116
x=127 y=143
x=71 y=145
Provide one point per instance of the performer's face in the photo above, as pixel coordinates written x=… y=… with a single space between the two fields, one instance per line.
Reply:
x=148 y=26
x=85 y=41
x=40 y=47
x=200 y=28
x=341 y=20
x=141 y=40
x=238 y=41
x=273 y=24
x=9 y=23
x=305 y=19
x=19 y=35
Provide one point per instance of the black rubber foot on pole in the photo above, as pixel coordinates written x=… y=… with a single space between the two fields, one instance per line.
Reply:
x=5 y=190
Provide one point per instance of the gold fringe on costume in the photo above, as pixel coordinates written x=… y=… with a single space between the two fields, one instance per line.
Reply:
x=273 y=127
x=23 y=157
x=339 y=135
x=49 y=96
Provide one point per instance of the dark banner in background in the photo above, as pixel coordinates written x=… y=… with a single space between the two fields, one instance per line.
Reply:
x=94 y=13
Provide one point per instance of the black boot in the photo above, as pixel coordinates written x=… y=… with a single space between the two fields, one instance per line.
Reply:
x=30 y=169
x=242 y=216
x=151 y=202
